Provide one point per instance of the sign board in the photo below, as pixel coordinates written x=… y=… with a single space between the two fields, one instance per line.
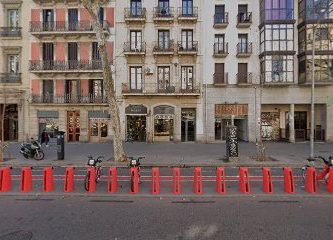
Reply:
x=231 y=109
x=136 y=109
x=164 y=109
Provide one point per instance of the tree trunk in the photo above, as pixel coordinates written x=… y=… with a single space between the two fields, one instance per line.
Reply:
x=93 y=8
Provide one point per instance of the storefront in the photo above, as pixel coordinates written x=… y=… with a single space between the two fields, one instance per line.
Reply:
x=136 y=123
x=188 y=127
x=223 y=117
x=164 y=123
x=98 y=126
x=48 y=121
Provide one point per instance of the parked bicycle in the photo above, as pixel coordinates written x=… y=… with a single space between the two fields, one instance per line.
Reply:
x=96 y=163
x=135 y=162
x=324 y=174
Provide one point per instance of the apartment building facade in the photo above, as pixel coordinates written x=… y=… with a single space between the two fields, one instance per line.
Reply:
x=14 y=87
x=65 y=67
x=258 y=71
x=158 y=65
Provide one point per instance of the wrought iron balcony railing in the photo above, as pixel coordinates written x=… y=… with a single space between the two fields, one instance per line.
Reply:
x=69 y=99
x=62 y=26
x=11 y=32
x=188 y=12
x=135 y=13
x=244 y=78
x=221 y=20
x=244 y=49
x=164 y=46
x=162 y=88
x=164 y=12
x=135 y=47
x=221 y=48
x=10 y=78
x=244 y=19
x=220 y=78
x=188 y=46
x=71 y=65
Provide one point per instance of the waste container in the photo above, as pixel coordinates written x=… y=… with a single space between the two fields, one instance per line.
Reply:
x=61 y=145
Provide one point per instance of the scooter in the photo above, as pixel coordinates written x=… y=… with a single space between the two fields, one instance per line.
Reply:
x=32 y=150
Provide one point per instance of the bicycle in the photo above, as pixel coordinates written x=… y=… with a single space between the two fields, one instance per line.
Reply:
x=324 y=174
x=96 y=163
x=134 y=162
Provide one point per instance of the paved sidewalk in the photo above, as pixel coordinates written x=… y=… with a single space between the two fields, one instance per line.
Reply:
x=173 y=154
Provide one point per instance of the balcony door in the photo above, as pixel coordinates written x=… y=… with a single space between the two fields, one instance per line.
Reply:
x=136 y=8
x=164 y=7
x=242 y=73
x=164 y=39
x=219 y=43
x=72 y=55
x=96 y=91
x=13 y=64
x=163 y=79
x=242 y=12
x=73 y=19
x=136 y=40
x=219 y=13
x=96 y=57
x=48 y=91
x=243 y=42
x=187 y=7
x=187 y=39
x=136 y=79
x=71 y=88
x=48 y=19
x=187 y=78
x=12 y=19
x=219 y=74
x=48 y=56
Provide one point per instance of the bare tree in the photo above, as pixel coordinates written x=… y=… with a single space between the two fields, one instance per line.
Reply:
x=93 y=7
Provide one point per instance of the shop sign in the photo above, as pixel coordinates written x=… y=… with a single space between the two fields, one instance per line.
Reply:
x=164 y=109
x=136 y=109
x=231 y=109
x=164 y=116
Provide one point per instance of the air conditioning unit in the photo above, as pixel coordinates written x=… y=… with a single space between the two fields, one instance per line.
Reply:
x=149 y=71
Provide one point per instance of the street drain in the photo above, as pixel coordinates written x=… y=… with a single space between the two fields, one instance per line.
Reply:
x=17 y=235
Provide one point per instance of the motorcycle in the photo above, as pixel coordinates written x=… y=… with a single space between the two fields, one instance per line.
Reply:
x=32 y=150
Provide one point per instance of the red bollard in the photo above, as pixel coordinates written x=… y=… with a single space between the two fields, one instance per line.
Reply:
x=113 y=180
x=5 y=179
x=289 y=186
x=48 y=183
x=26 y=179
x=220 y=180
x=330 y=180
x=134 y=180
x=91 y=183
x=155 y=181
x=244 y=182
x=197 y=181
x=310 y=180
x=69 y=180
x=267 y=184
x=177 y=188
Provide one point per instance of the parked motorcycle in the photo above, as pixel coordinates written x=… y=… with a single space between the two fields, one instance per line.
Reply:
x=32 y=150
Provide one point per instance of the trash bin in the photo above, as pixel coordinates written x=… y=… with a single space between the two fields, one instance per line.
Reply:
x=61 y=145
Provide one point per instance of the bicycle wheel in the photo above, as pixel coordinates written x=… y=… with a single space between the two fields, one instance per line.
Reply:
x=87 y=181
x=98 y=175
x=132 y=183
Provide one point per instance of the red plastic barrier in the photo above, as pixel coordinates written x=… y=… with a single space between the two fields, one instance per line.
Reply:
x=48 y=184
x=5 y=179
x=244 y=182
x=113 y=180
x=92 y=179
x=156 y=181
x=177 y=188
x=26 y=179
x=330 y=180
x=69 y=180
x=267 y=184
x=197 y=181
x=134 y=180
x=220 y=180
x=310 y=180
x=289 y=185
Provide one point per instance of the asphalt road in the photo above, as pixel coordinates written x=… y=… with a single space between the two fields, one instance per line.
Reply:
x=241 y=217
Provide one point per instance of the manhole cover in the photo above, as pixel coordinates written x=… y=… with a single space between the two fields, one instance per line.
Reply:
x=18 y=235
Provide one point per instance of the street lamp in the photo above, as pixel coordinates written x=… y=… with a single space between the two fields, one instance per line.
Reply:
x=316 y=5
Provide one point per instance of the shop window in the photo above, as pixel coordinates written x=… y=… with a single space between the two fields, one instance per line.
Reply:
x=163 y=127
x=94 y=130
x=104 y=130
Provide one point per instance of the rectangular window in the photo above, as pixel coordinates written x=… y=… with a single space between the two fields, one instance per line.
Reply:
x=219 y=44
x=71 y=90
x=73 y=19
x=136 y=40
x=242 y=75
x=13 y=63
x=242 y=43
x=219 y=75
x=219 y=16
x=48 y=19
x=187 y=7
x=164 y=39
x=12 y=18
x=187 y=78
x=136 y=8
x=48 y=56
x=95 y=52
x=276 y=10
x=163 y=78
x=277 y=37
x=96 y=91
x=187 y=39
x=278 y=68
x=136 y=78
x=72 y=55
x=48 y=91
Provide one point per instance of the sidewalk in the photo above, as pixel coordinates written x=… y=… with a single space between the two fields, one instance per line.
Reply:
x=174 y=154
